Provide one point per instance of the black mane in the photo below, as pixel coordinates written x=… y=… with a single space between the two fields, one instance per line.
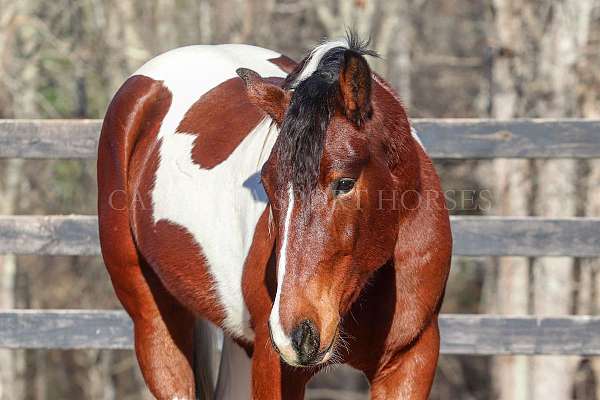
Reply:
x=301 y=139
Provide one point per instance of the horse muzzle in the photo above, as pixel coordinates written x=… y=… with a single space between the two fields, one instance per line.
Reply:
x=306 y=342
x=304 y=345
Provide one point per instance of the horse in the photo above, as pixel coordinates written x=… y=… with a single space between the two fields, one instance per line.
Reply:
x=289 y=204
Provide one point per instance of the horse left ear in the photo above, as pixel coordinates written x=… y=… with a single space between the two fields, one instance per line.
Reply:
x=355 y=87
x=268 y=97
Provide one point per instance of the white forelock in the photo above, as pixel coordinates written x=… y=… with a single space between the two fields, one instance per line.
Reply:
x=315 y=58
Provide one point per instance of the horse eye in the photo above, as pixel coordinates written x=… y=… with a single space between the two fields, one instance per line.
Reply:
x=343 y=186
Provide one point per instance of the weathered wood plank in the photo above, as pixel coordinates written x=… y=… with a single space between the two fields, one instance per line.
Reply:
x=493 y=334
x=65 y=329
x=526 y=236
x=49 y=235
x=520 y=138
x=461 y=334
x=473 y=236
x=443 y=138
x=59 y=138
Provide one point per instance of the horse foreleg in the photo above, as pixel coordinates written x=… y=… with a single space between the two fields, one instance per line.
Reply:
x=409 y=374
x=271 y=379
x=163 y=332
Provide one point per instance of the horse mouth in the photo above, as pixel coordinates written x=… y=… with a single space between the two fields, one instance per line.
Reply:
x=321 y=358
x=324 y=356
x=330 y=350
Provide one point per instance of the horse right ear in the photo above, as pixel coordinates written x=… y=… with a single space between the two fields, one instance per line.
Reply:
x=355 y=87
x=268 y=97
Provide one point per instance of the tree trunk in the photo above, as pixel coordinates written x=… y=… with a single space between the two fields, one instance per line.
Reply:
x=561 y=46
x=12 y=362
x=538 y=44
x=513 y=197
x=592 y=266
x=589 y=296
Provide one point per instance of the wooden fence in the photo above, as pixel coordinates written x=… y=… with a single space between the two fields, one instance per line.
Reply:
x=473 y=236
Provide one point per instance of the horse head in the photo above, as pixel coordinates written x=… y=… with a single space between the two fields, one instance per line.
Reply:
x=341 y=177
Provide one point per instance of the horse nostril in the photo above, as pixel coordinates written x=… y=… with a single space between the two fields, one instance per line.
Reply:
x=305 y=340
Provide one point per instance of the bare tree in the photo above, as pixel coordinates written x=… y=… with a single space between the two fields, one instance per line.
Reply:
x=12 y=385
x=588 y=91
x=563 y=35
x=538 y=47
x=12 y=361
x=513 y=194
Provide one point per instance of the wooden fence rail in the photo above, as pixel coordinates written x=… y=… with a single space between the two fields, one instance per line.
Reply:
x=473 y=236
x=461 y=333
x=443 y=138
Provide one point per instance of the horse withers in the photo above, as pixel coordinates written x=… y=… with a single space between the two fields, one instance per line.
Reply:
x=289 y=204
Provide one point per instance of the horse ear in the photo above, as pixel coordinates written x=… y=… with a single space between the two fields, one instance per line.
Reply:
x=355 y=87
x=268 y=97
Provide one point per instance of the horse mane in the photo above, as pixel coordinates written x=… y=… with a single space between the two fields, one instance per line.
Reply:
x=314 y=83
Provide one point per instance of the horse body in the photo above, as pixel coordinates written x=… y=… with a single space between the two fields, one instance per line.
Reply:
x=178 y=210
x=189 y=230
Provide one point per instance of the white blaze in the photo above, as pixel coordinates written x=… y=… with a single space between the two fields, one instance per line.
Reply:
x=282 y=341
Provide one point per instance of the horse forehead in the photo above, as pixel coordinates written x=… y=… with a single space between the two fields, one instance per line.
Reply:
x=343 y=143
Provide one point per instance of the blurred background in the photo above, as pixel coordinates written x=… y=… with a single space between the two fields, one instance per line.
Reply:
x=446 y=59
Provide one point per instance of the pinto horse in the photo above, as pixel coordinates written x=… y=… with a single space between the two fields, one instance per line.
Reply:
x=289 y=204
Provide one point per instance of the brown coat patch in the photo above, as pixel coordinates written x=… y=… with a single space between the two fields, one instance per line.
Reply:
x=220 y=119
